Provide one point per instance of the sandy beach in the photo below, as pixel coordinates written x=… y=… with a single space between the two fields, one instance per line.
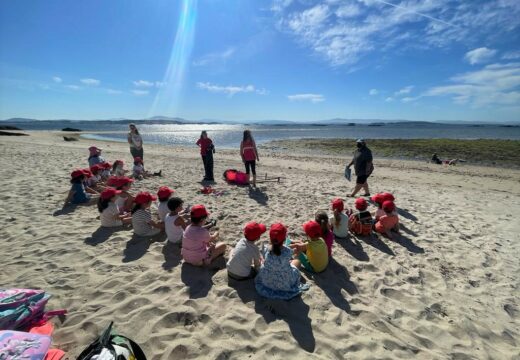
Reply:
x=447 y=288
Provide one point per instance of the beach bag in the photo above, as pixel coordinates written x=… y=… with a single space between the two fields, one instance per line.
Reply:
x=358 y=227
x=23 y=345
x=23 y=308
x=230 y=175
x=241 y=178
x=111 y=346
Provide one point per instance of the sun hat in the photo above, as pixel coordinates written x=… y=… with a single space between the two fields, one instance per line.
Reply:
x=388 y=196
x=253 y=230
x=77 y=173
x=337 y=204
x=199 y=211
x=94 y=149
x=109 y=193
x=164 y=192
x=388 y=206
x=312 y=229
x=278 y=233
x=378 y=198
x=361 y=204
x=144 y=197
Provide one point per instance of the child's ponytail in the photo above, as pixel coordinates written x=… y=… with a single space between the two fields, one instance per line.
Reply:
x=276 y=249
x=135 y=208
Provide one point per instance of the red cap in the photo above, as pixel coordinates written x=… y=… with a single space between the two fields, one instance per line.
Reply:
x=77 y=173
x=123 y=180
x=87 y=172
x=112 y=181
x=138 y=159
x=337 y=204
x=95 y=167
x=109 y=193
x=388 y=196
x=388 y=206
x=378 y=198
x=199 y=211
x=361 y=204
x=312 y=229
x=119 y=161
x=144 y=197
x=164 y=192
x=105 y=165
x=278 y=233
x=253 y=230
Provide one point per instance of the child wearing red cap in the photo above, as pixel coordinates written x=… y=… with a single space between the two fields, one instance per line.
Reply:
x=278 y=277
x=360 y=221
x=378 y=200
x=176 y=221
x=388 y=222
x=339 y=220
x=142 y=217
x=125 y=200
x=118 y=168
x=79 y=193
x=163 y=194
x=138 y=172
x=110 y=216
x=246 y=253
x=199 y=247
x=326 y=233
x=94 y=181
x=105 y=171
x=312 y=253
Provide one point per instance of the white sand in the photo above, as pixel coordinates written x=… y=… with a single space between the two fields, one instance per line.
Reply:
x=448 y=289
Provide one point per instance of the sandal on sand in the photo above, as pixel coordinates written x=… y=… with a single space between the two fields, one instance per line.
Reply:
x=365 y=195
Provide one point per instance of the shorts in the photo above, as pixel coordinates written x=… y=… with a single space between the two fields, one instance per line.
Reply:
x=251 y=275
x=250 y=164
x=361 y=179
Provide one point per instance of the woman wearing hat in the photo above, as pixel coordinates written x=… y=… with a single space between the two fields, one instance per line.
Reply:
x=135 y=141
x=363 y=166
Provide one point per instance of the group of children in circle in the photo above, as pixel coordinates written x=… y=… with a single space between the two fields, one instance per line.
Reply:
x=276 y=270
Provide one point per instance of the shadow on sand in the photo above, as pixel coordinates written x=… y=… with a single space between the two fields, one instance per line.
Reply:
x=406 y=230
x=294 y=312
x=407 y=243
x=258 y=195
x=68 y=209
x=375 y=242
x=137 y=246
x=101 y=235
x=404 y=213
x=353 y=247
x=199 y=280
x=172 y=255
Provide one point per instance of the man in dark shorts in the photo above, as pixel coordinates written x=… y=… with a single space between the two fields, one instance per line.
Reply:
x=363 y=166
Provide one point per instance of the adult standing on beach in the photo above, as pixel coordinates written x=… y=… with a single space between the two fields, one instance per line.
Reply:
x=135 y=141
x=363 y=166
x=249 y=154
x=206 y=151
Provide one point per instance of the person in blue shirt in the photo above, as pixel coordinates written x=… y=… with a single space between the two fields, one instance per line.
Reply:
x=79 y=194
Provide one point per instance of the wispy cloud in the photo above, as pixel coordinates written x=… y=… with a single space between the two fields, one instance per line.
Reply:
x=313 y=98
x=90 y=82
x=494 y=84
x=57 y=79
x=342 y=32
x=389 y=99
x=143 y=83
x=230 y=90
x=406 y=90
x=511 y=55
x=373 y=92
x=73 y=87
x=215 y=57
x=113 y=92
x=480 y=55
x=140 y=92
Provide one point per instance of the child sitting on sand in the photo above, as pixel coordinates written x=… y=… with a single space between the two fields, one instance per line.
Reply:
x=125 y=200
x=139 y=172
x=323 y=219
x=163 y=194
x=110 y=216
x=142 y=217
x=378 y=200
x=246 y=253
x=94 y=181
x=79 y=194
x=118 y=168
x=278 y=277
x=360 y=221
x=312 y=253
x=95 y=156
x=388 y=222
x=175 y=222
x=199 y=247
x=105 y=171
x=339 y=221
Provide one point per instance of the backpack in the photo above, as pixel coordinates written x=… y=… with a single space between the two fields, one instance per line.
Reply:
x=358 y=227
x=111 y=346
x=21 y=309
x=236 y=177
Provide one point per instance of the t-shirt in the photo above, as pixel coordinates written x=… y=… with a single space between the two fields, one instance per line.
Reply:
x=135 y=140
x=162 y=209
x=317 y=254
x=80 y=195
x=95 y=159
x=242 y=257
x=340 y=230
x=204 y=145
x=173 y=231
x=195 y=244
x=362 y=156
x=138 y=169
x=248 y=150
x=110 y=216
x=140 y=224
x=119 y=171
x=386 y=222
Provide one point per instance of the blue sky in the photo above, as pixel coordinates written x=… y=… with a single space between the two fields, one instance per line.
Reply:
x=253 y=60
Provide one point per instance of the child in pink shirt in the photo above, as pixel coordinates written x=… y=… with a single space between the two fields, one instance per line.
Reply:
x=389 y=221
x=199 y=247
